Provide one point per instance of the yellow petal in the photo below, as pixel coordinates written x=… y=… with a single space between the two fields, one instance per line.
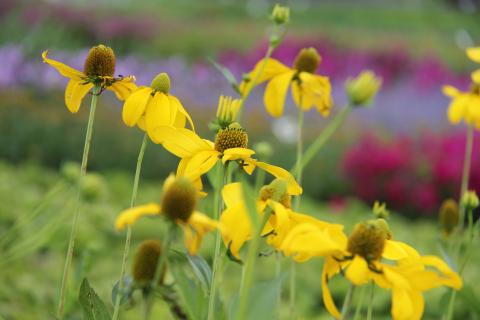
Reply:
x=135 y=106
x=393 y=251
x=476 y=76
x=181 y=142
x=357 y=271
x=236 y=154
x=276 y=92
x=181 y=115
x=129 y=216
x=271 y=68
x=450 y=91
x=195 y=229
x=123 y=88
x=63 y=69
x=158 y=113
x=232 y=194
x=474 y=54
x=402 y=304
x=74 y=94
x=200 y=163
x=458 y=109
x=293 y=187
x=448 y=276
x=330 y=268
x=236 y=228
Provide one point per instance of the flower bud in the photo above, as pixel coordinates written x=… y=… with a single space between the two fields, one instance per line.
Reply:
x=280 y=14
x=161 y=83
x=362 y=89
x=470 y=200
x=448 y=216
x=307 y=60
x=277 y=191
x=100 y=62
x=380 y=210
x=179 y=198
x=145 y=262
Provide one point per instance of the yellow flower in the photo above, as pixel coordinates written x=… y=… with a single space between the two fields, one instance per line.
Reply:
x=464 y=106
x=474 y=55
x=99 y=70
x=360 y=258
x=198 y=156
x=362 y=89
x=308 y=88
x=178 y=204
x=153 y=106
x=236 y=222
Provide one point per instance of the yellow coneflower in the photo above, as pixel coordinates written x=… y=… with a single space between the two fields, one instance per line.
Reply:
x=360 y=258
x=464 y=105
x=98 y=71
x=474 y=55
x=308 y=88
x=178 y=204
x=153 y=106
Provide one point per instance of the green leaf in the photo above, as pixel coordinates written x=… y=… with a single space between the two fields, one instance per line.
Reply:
x=468 y=296
x=93 y=307
x=227 y=74
x=202 y=271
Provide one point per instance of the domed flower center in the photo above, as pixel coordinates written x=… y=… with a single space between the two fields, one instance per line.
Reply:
x=368 y=240
x=234 y=136
x=100 y=62
x=145 y=262
x=307 y=60
x=161 y=83
x=277 y=191
x=475 y=89
x=179 y=199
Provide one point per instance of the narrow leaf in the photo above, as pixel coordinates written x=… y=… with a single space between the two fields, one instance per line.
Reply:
x=93 y=307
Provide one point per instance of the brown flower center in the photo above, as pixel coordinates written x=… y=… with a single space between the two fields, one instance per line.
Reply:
x=234 y=136
x=307 y=60
x=179 y=199
x=100 y=62
x=367 y=240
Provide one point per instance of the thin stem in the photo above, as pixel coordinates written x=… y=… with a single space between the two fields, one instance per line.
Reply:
x=466 y=171
x=278 y=271
x=358 y=308
x=252 y=254
x=347 y=302
x=129 y=229
x=161 y=265
x=76 y=214
x=323 y=138
x=218 y=206
x=370 y=302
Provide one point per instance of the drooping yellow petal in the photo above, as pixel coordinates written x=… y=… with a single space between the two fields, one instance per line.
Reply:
x=63 y=69
x=182 y=115
x=200 y=164
x=330 y=268
x=135 y=106
x=280 y=223
x=474 y=54
x=393 y=251
x=123 y=87
x=195 y=229
x=158 y=113
x=476 y=76
x=276 y=92
x=74 y=94
x=271 y=68
x=458 y=109
x=449 y=277
x=357 y=272
x=232 y=194
x=129 y=216
x=293 y=187
x=402 y=305
x=181 y=142
x=237 y=154
x=236 y=227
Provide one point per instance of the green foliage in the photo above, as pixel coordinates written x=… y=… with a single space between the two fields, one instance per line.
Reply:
x=93 y=307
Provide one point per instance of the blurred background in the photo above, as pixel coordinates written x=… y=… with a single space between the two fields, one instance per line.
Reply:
x=401 y=150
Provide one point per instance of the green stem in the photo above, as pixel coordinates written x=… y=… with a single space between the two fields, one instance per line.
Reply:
x=278 y=271
x=323 y=138
x=73 y=232
x=347 y=302
x=252 y=254
x=129 y=228
x=161 y=264
x=358 y=308
x=218 y=207
x=370 y=302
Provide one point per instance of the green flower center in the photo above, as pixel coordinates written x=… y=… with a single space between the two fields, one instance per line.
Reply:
x=161 y=83
x=367 y=240
x=307 y=60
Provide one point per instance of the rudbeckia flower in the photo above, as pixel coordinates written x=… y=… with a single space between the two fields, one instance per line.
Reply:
x=369 y=254
x=236 y=222
x=198 y=156
x=308 y=88
x=153 y=106
x=464 y=106
x=178 y=204
x=474 y=55
x=98 y=71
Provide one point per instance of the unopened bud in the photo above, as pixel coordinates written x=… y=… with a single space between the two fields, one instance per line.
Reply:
x=161 y=83
x=145 y=262
x=280 y=14
x=179 y=198
x=380 y=210
x=362 y=89
x=470 y=200
x=448 y=216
